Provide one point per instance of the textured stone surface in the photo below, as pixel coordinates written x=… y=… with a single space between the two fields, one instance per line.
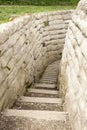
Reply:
x=45 y=121
x=73 y=75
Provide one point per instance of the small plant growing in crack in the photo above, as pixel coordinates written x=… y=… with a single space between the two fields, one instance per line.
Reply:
x=0 y=51
x=7 y=67
x=46 y=23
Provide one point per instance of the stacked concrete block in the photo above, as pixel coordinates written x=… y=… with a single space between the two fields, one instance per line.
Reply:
x=73 y=75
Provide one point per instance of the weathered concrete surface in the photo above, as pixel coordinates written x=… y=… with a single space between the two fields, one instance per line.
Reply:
x=42 y=93
x=73 y=75
x=27 y=45
x=39 y=103
x=45 y=86
x=35 y=120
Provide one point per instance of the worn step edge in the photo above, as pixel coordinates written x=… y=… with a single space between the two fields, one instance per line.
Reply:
x=42 y=91
x=48 y=82
x=44 y=78
x=44 y=85
x=51 y=80
x=37 y=114
x=51 y=70
x=50 y=74
x=49 y=77
x=40 y=100
x=53 y=76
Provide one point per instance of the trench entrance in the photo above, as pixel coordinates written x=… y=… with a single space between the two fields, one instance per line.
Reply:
x=40 y=108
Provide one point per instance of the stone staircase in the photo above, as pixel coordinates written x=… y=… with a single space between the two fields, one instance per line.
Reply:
x=40 y=108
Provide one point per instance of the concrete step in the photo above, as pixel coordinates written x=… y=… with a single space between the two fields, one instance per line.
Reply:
x=48 y=81
x=50 y=74
x=49 y=78
x=37 y=103
x=45 y=86
x=35 y=120
x=51 y=70
x=41 y=93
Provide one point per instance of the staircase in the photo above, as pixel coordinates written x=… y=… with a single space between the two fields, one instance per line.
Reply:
x=40 y=108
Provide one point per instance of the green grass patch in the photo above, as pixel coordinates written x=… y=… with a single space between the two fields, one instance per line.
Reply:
x=39 y=2
x=7 y=11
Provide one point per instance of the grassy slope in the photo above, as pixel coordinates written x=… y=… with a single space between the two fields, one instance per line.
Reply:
x=7 y=11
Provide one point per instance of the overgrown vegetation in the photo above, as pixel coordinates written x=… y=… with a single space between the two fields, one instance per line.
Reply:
x=40 y=2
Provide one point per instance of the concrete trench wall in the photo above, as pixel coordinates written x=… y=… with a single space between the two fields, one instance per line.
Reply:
x=73 y=74
x=27 y=45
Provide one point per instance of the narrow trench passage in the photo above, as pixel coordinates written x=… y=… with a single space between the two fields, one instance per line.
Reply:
x=40 y=108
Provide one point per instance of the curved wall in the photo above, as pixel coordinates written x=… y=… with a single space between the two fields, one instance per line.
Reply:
x=73 y=76
x=27 y=45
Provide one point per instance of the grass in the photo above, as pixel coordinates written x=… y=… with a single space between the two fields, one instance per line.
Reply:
x=7 y=11
x=39 y=2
